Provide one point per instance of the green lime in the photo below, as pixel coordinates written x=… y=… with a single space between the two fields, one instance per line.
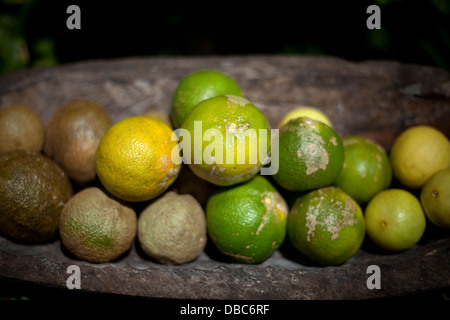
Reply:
x=229 y=138
x=366 y=170
x=248 y=221
x=326 y=225
x=311 y=155
x=199 y=86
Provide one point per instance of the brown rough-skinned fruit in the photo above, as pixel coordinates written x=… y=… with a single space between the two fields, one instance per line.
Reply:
x=33 y=192
x=72 y=137
x=95 y=227
x=172 y=229
x=21 y=128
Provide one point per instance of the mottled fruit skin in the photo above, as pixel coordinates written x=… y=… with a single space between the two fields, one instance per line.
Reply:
x=134 y=159
x=72 y=137
x=21 y=128
x=247 y=222
x=311 y=155
x=172 y=229
x=239 y=134
x=97 y=228
x=33 y=192
x=326 y=225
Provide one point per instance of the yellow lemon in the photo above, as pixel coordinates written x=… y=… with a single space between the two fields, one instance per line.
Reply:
x=134 y=159
x=310 y=112
x=417 y=153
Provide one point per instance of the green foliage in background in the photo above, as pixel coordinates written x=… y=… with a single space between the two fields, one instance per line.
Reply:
x=33 y=33
x=15 y=51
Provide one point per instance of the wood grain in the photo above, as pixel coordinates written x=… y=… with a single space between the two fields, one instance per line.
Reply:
x=376 y=99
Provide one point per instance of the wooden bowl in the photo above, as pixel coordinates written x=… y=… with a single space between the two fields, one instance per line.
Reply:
x=376 y=99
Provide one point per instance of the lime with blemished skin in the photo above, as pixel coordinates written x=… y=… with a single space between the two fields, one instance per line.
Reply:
x=230 y=132
x=326 y=225
x=435 y=198
x=199 y=86
x=394 y=219
x=247 y=222
x=311 y=155
x=366 y=170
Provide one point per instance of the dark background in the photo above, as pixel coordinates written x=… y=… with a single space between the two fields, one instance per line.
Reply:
x=34 y=33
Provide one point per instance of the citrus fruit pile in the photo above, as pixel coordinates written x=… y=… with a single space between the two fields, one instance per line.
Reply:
x=214 y=170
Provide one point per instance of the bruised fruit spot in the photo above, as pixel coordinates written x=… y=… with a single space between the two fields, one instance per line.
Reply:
x=235 y=100
x=275 y=206
x=231 y=127
x=331 y=223
x=434 y=194
x=316 y=158
x=241 y=257
x=333 y=141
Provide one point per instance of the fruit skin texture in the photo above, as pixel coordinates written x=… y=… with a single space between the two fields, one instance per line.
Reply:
x=172 y=229
x=310 y=112
x=247 y=222
x=199 y=86
x=326 y=225
x=33 y=192
x=72 y=137
x=21 y=128
x=435 y=198
x=311 y=155
x=233 y=118
x=95 y=227
x=134 y=159
x=366 y=170
x=417 y=153
x=394 y=219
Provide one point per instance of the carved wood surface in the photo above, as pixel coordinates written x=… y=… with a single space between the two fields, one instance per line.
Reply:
x=377 y=99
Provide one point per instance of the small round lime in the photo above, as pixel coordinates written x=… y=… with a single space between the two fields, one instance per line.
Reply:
x=394 y=219
x=199 y=86
x=326 y=225
x=435 y=198
x=366 y=170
